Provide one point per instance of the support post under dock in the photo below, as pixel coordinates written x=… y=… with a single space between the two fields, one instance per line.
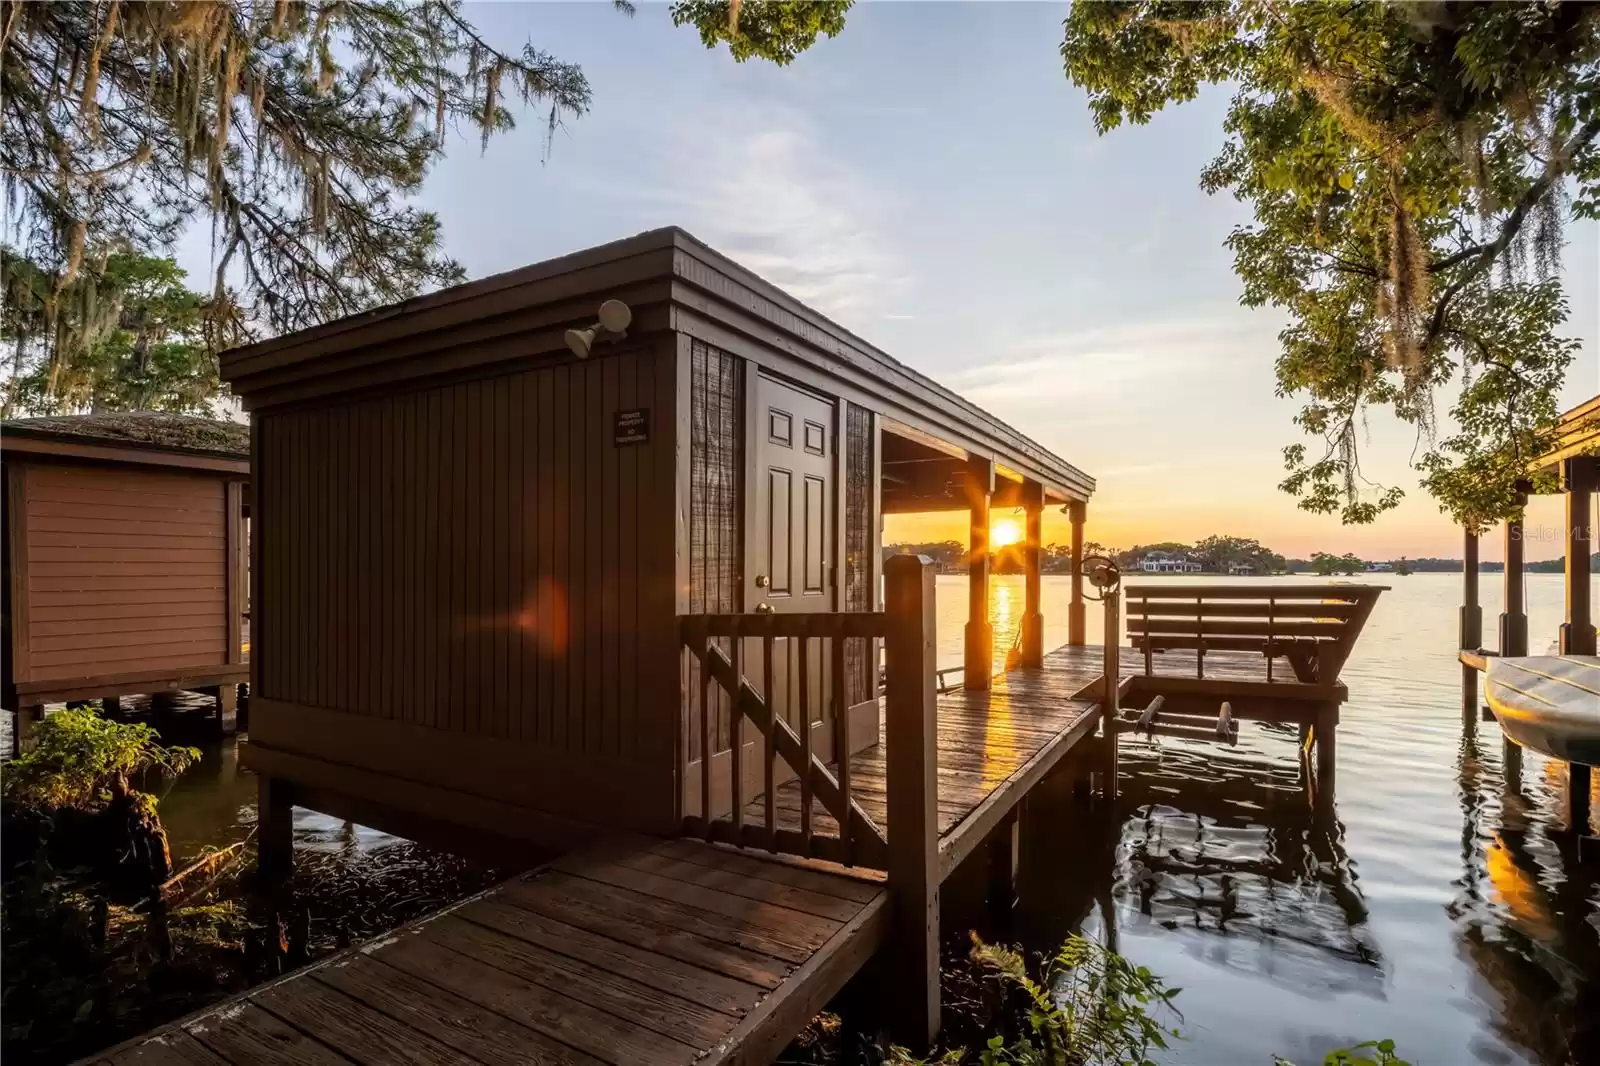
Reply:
x=274 y=829
x=911 y=729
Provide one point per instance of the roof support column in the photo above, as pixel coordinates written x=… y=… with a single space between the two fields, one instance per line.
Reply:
x=1513 y=620
x=1032 y=617
x=978 y=662
x=1580 y=476
x=1077 y=618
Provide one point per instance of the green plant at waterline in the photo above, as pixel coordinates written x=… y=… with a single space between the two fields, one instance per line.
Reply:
x=83 y=761
x=1088 y=1007
x=72 y=798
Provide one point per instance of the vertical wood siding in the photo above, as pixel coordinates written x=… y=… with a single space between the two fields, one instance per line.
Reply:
x=127 y=571
x=466 y=557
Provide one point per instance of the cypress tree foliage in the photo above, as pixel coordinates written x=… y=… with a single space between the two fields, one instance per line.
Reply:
x=297 y=129
x=129 y=336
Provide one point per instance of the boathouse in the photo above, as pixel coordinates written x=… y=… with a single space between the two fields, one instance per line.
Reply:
x=587 y=555
x=475 y=547
x=125 y=559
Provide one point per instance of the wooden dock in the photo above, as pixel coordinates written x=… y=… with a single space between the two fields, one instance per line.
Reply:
x=635 y=952
x=642 y=950
x=994 y=746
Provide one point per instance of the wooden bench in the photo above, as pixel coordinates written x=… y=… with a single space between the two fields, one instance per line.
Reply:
x=1313 y=627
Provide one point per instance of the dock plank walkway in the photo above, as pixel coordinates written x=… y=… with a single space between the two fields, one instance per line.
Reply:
x=635 y=952
x=994 y=745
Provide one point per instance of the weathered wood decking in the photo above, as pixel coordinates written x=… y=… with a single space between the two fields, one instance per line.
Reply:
x=994 y=745
x=639 y=952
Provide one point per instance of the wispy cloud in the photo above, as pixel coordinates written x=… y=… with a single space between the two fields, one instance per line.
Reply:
x=759 y=183
x=1115 y=361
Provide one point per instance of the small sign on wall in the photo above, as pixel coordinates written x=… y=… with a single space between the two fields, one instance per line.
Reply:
x=631 y=427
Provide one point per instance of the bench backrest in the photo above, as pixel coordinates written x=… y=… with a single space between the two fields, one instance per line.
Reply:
x=1322 y=620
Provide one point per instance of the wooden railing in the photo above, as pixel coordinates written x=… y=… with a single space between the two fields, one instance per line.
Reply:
x=735 y=806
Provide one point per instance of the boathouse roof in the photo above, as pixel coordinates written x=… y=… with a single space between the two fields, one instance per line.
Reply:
x=154 y=437
x=1577 y=433
x=672 y=282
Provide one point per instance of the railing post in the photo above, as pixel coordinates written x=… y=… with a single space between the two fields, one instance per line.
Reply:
x=912 y=731
x=1109 y=708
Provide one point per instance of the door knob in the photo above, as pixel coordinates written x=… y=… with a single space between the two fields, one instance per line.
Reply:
x=762 y=581
x=764 y=608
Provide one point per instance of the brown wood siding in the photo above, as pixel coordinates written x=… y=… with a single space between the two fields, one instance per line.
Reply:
x=127 y=571
x=716 y=513
x=467 y=557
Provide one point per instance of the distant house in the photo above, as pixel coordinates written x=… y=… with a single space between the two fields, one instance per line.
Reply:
x=1380 y=568
x=1241 y=569
x=1162 y=562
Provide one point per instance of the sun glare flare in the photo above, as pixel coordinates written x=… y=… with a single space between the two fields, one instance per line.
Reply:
x=1003 y=533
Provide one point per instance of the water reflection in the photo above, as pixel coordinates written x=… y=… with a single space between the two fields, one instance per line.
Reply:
x=1227 y=846
x=1439 y=902
x=1525 y=912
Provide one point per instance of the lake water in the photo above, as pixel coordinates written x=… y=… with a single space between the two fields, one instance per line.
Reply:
x=1434 y=906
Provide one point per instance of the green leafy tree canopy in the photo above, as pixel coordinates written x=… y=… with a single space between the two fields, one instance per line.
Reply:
x=776 y=30
x=1411 y=168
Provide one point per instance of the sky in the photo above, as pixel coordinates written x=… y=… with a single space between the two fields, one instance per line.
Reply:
x=932 y=181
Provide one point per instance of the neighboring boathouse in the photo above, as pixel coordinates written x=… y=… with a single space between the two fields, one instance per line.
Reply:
x=124 y=559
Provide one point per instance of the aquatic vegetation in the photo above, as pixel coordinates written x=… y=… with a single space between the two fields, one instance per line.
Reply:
x=83 y=761
x=1087 y=1006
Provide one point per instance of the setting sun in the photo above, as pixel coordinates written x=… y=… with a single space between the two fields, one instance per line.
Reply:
x=1003 y=533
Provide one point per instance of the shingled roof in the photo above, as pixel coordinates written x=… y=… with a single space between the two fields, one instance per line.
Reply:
x=153 y=429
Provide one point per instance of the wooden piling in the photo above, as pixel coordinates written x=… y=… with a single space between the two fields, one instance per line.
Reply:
x=911 y=728
x=227 y=697
x=1111 y=693
x=274 y=829
x=1004 y=851
x=24 y=725
x=1327 y=733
